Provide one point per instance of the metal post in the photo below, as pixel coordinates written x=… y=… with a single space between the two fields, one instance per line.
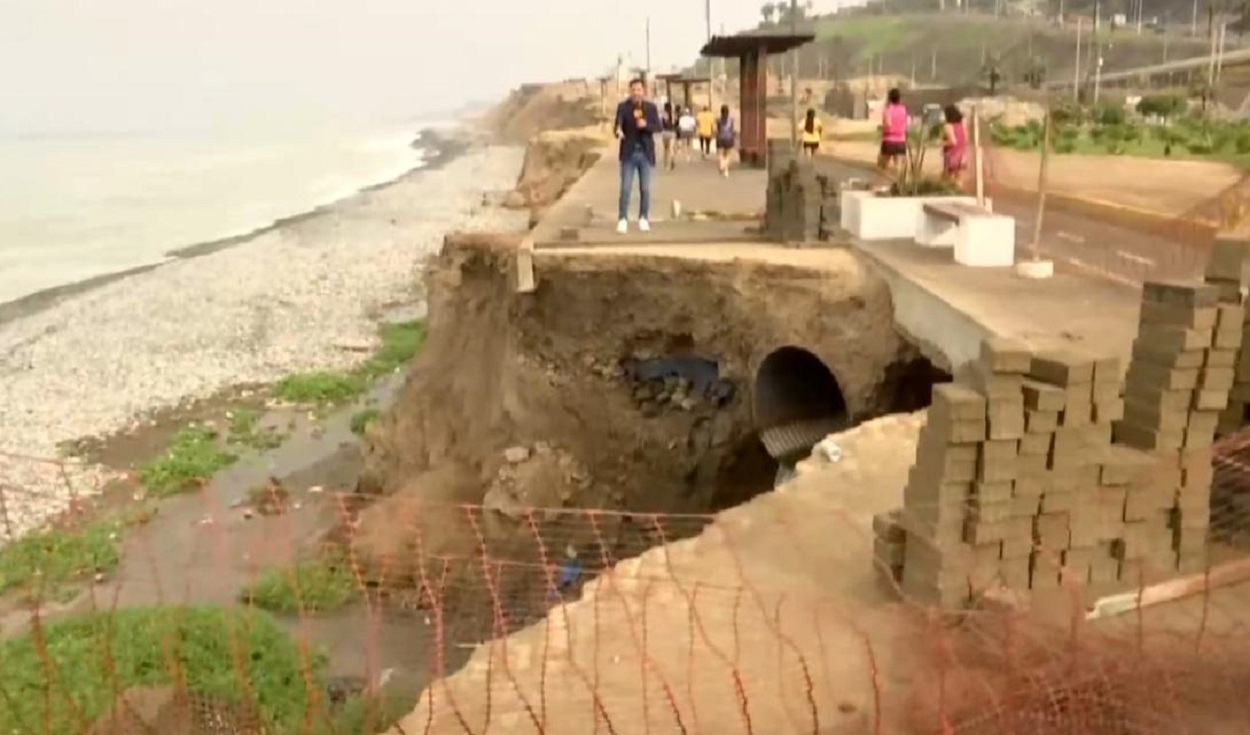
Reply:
x=1041 y=186
x=794 y=77
x=978 y=165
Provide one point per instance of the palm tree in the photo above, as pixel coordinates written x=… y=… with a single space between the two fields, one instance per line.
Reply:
x=767 y=10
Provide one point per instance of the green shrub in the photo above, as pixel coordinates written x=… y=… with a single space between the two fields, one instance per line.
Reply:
x=1242 y=144
x=49 y=562
x=319 y=584
x=1109 y=115
x=1162 y=105
x=83 y=661
x=194 y=455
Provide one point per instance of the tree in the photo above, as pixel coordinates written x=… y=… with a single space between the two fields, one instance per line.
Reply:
x=783 y=12
x=991 y=73
x=768 y=10
x=1035 y=74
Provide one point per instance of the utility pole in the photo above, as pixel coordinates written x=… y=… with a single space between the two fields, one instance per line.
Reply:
x=794 y=78
x=933 y=66
x=1076 y=77
x=1219 y=58
x=1211 y=58
x=707 y=17
x=648 y=48
x=1193 y=24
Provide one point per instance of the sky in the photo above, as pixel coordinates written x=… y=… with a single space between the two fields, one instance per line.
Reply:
x=139 y=65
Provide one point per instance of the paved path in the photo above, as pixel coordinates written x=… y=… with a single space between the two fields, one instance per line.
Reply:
x=1078 y=242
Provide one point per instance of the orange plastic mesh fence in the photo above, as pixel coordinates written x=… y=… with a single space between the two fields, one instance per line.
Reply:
x=393 y=612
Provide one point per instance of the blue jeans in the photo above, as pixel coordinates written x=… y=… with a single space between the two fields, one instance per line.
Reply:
x=635 y=164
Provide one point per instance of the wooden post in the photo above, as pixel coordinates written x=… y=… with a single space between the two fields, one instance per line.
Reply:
x=1042 y=171
x=978 y=168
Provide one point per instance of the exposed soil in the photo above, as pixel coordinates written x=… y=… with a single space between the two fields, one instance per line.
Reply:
x=554 y=161
x=534 y=108
x=575 y=397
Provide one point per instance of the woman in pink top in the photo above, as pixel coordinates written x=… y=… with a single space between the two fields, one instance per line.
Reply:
x=954 y=144
x=893 y=132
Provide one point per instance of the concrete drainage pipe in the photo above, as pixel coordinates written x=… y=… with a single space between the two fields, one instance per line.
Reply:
x=798 y=402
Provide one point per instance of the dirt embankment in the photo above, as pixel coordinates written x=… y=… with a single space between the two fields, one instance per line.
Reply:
x=554 y=161
x=545 y=400
x=535 y=108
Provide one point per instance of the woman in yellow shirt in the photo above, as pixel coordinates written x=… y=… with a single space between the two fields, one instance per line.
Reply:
x=813 y=132
x=705 y=123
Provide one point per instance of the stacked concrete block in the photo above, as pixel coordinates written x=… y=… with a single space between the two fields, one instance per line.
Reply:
x=801 y=204
x=937 y=560
x=1225 y=272
x=1176 y=387
x=1072 y=401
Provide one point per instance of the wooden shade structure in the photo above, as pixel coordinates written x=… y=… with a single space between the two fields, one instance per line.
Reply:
x=752 y=51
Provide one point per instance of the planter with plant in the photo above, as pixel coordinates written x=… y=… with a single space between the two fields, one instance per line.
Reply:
x=894 y=213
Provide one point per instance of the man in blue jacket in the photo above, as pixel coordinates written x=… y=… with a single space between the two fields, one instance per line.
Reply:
x=637 y=124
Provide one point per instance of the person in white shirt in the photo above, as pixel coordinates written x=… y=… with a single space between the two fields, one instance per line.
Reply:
x=685 y=131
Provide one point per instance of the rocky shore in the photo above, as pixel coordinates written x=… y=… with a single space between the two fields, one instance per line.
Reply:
x=302 y=296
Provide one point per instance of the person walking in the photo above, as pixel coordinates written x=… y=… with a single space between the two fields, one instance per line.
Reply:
x=637 y=122
x=813 y=133
x=726 y=138
x=893 y=133
x=685 y=132
x=668 y=122
x=705 y=122
x=954 y=145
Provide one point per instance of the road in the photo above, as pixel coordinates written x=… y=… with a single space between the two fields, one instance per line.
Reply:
x=1083 y=243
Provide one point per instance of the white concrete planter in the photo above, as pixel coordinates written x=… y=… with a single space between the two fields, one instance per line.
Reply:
x=887 y=218
x=850 y=201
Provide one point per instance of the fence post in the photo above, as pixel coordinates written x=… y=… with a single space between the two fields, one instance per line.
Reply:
x=978 y=172
x=1042 y=171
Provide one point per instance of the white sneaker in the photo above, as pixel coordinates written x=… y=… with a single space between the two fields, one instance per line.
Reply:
x=622 y=227
x=644 y=225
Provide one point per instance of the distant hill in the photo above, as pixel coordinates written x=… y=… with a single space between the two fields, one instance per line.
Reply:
x=950 y=48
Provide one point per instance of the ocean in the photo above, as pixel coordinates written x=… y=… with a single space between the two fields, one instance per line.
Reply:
x=77 y=207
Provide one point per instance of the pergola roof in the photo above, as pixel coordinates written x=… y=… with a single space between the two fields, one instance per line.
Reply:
x=732 y=47
x=673 y=76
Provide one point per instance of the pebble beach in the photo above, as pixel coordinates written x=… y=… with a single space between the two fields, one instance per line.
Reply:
x=301 y=296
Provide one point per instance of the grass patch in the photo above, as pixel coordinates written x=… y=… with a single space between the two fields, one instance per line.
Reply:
x=320 y=584
x=194 y=455
x=362 y=418
x=50 y=562
x=94 y=656
x=400 y=342
x=245 y=430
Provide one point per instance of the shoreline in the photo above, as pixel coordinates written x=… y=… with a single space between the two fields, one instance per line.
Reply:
x=100 y=357
x=444 y=146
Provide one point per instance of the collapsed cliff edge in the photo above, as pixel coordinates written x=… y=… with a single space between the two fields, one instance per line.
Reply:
x=629 y=382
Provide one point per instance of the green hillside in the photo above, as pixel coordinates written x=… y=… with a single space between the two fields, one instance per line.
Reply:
x=950 y=48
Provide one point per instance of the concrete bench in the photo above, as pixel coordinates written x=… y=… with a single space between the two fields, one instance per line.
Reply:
x=980 y=237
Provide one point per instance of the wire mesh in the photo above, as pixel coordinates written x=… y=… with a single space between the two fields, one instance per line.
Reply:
x=299 y=611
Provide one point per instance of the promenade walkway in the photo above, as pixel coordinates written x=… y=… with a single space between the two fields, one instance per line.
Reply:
x=946 y=308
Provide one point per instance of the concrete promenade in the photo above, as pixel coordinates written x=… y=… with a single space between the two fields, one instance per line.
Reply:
x=945 y=308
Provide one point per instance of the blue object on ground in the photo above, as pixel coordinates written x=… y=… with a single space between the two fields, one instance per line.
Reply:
x=570 y=571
